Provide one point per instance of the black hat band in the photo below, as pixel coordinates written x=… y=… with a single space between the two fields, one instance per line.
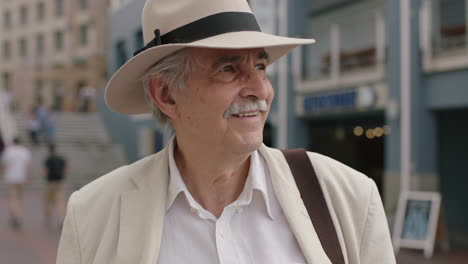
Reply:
x=206 y=27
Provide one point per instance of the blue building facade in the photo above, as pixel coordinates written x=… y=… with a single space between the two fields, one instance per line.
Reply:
x=139 y=135
x=343 y=94
x=350 y=95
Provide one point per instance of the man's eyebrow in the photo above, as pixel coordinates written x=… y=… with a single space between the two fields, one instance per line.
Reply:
x=263 y=55
x=225 y=59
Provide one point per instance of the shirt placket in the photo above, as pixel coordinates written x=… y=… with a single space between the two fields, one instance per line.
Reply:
x=224 y=241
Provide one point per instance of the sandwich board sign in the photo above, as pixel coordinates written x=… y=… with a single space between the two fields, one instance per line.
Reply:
x=416 y=221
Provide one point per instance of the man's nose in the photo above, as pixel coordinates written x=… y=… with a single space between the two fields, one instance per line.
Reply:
x=255 y=84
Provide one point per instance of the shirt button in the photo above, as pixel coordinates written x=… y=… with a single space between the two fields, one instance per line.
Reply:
x=193 y=210
x=239 y=209
x=221 y=233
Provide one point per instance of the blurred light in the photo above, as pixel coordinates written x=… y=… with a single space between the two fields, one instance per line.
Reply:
x=378 y=132
x=370 y=133
x=340 y=134
x=358 y=131
x=387 y=129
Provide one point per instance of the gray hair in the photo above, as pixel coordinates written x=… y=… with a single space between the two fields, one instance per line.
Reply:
x=173 y=71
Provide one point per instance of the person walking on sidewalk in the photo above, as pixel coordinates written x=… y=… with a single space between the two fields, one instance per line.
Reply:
x=34 y=127
x=55 y=168
x=45 y=118
x=16 y=165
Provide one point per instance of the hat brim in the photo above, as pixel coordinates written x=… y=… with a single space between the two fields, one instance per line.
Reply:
x=125 y=95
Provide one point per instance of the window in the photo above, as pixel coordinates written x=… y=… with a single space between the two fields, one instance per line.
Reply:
x=453 y=31
x=23 y=48
x=39 y=44
x=58 y=7
x=83 y=4
x=6 y=50
x=57 y=96
x=39 y=91
x=23 y=15
x=40 y=11
x=80 y=62
x=121 y=53
x=6 y=81
x=139 y=40
x=7 y=19
x=83 y=35
x=58 y=40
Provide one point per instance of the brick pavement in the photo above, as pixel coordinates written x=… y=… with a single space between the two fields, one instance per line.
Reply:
x=35 y=244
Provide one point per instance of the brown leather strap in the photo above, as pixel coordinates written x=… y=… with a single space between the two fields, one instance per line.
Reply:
x=314 y=201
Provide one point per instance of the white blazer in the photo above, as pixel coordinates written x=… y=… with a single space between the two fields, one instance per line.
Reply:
x=118 y=218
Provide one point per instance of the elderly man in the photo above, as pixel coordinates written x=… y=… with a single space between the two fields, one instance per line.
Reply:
x=216 y=194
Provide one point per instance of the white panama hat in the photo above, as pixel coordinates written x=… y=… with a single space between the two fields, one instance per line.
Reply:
x=170 y=25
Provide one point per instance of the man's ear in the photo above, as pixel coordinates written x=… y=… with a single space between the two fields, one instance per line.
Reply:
x=161 y=96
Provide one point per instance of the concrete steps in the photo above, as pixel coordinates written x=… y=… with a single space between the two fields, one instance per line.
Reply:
x=83 y=140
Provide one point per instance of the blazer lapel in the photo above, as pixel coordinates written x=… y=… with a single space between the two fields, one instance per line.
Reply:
x=142 y=212
x=293 y=207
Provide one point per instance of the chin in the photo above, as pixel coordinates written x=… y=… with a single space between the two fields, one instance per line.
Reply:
x=250 y=143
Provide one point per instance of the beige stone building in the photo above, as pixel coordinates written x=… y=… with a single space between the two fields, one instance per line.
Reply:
x=52 y=49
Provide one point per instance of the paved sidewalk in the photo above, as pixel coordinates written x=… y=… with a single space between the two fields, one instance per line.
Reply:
x=454 y=256
x=35 y=244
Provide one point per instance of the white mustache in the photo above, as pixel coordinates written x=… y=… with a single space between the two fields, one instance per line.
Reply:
x=245 y=106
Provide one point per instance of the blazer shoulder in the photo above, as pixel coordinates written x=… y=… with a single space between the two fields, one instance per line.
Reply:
x=94 y=212
x=352 y=199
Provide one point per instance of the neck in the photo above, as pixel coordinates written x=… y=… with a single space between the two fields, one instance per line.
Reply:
x=214 y=179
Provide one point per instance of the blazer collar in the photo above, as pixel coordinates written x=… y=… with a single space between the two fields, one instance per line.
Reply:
x=293 y=207
x=142 y=210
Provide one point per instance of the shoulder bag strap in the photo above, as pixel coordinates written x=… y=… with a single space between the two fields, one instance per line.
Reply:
x=313 y=198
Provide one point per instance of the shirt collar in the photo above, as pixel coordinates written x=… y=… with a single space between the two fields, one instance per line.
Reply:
x=256 y=180
x=176 y=184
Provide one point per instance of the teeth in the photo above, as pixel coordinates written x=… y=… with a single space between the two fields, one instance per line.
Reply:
x=247 y=114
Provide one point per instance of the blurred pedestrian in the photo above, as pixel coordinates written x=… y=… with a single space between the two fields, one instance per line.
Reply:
x=16 y=164
x=33 y=126
x=55 y=167
x=87 y=94
x=7 y=99
x=46 y=123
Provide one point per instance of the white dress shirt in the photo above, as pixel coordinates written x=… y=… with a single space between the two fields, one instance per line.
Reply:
x=252 y=229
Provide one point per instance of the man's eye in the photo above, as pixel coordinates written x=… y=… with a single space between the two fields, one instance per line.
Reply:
x=261 y=67
x=228 y=68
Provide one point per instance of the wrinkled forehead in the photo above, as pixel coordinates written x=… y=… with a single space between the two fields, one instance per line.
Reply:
x=209 y=57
